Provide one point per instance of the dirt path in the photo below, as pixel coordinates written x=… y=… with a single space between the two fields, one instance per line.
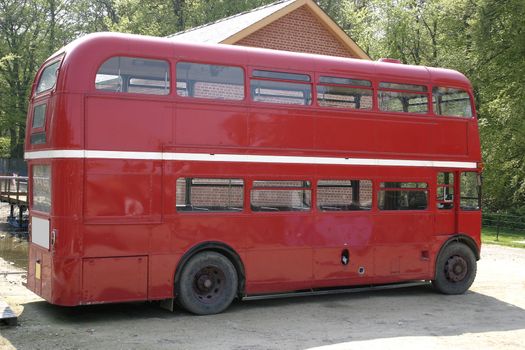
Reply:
x=490 y=316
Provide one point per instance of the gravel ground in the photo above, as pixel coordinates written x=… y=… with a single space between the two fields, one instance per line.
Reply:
x=490 y=316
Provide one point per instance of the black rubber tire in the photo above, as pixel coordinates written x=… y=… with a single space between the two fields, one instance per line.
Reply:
x=455 y=269
x=208 y=284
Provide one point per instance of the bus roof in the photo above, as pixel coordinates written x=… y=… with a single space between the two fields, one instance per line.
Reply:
x=83 y=57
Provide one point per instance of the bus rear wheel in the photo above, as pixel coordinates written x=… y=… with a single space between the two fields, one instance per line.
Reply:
x=208 y=284
x=455 y=269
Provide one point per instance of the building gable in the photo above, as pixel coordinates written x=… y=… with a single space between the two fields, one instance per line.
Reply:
x=290 y=25
x=298 y=31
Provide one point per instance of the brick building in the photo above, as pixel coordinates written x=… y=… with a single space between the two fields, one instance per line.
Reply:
x=290 y=25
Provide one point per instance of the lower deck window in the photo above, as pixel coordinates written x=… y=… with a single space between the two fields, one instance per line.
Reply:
x=41 y=188
x=274 y=196
x=470 y=185
x=403 y=196
x=445 y=190
x=341 y=195
x=209 y=195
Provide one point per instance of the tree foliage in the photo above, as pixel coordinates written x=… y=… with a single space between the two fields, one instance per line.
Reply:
x=481 y=38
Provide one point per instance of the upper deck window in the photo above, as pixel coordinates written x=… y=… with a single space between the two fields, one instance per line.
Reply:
x=210 y=81
x=408 y=87
x=134 y=75
x=408 y=98
x=280 y=75
x=451 y=102
x=281 y=92
x=344 y=81
x=48 y=78
x=344 y=93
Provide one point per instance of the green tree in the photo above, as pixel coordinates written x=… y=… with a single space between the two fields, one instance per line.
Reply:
x=498 y=53
x=21 y=29
x=30 y=31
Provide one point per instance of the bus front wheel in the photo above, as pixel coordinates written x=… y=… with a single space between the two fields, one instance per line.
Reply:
x=208 y=284
x=455 y=269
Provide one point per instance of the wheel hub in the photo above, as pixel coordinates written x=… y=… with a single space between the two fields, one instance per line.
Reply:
x=456 y=268
x=208 y=283
x=204 y=283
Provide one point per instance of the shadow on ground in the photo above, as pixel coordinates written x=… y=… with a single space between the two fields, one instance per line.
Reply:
x=285 y=323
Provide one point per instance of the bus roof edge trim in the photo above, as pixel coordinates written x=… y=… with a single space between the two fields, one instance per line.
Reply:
x=243 y=158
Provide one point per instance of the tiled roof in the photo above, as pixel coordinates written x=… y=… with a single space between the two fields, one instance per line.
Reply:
x=222 y=29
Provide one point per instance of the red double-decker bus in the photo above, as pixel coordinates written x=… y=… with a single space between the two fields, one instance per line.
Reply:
x=203 y=173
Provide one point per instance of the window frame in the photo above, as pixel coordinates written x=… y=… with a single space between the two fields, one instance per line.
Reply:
x=427 y=190
x=193 y=99
x=467 y=90
x=360 y=210
x=428 y=93
x=244 y=186
x=52 y=61
x=128 y=94
x=447 y=204
x=32 y=186
x=370 y=88
x=478 y=188
x=311 y=84
x=309 y=188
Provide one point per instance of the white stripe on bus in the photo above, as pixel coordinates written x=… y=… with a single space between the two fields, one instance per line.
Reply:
x=243 y=158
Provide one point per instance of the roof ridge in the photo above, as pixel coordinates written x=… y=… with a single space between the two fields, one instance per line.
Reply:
x=227 y=18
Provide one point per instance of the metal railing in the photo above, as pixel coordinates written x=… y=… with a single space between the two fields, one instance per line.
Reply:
x=13 y=189
x=503 y=221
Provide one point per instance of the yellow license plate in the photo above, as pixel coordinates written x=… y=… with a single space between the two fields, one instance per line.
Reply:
x=38 y=270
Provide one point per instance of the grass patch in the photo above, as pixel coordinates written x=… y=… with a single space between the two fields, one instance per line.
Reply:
x=507 y=237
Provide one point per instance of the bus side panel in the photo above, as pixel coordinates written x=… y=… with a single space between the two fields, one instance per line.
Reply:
x=391 y=137
x=106 y=117
x=123 y=191
x=66 y=281
x=198 y=124
x=67 y=130
x=402 y=243
x=46 y=275
x=161 y=275
x=281 y=128
x=335 y=233
x=279 y=252
x=114 y=279
x=469 y=222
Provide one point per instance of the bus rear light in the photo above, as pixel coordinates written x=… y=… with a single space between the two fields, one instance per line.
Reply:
x=480 y=166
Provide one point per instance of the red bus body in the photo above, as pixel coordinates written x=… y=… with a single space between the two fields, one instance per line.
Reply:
x=113 y=232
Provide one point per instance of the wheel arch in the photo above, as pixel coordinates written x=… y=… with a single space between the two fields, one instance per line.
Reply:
x=218 y=247
x=462 y=238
